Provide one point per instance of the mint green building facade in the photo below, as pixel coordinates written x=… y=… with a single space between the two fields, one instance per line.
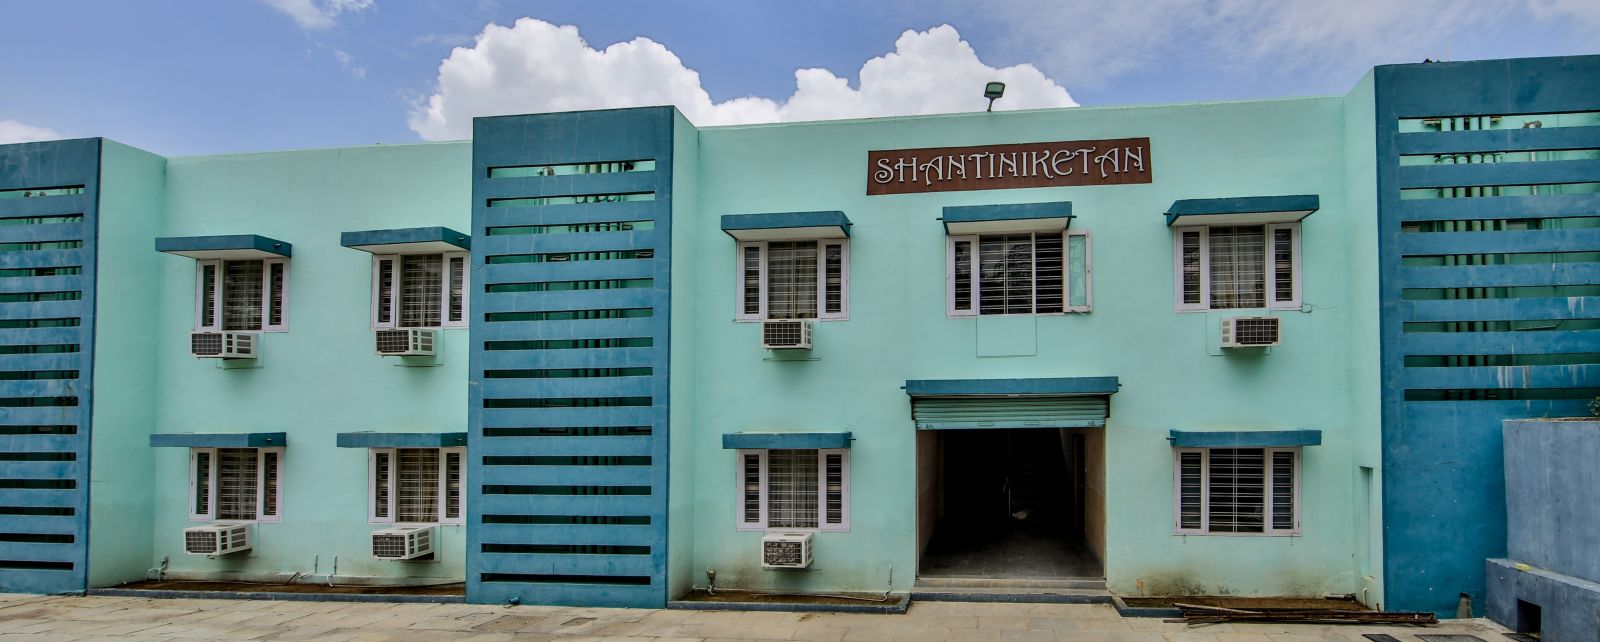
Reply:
x=658 y=348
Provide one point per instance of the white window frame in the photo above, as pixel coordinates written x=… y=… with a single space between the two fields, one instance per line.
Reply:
x=1066 y=274
x=216 y=297
x=394 y=494
x=210 y=515
x=1205 y=493
x=1205 y=267
x=822 y=280
x=444 y=291
x=822 y=492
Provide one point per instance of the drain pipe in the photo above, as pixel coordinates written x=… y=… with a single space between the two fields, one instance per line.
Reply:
x=711 y=581
x=160 y=571
x=335 y=570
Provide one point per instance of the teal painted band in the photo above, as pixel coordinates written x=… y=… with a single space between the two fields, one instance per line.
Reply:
x=1042 y=386
x=400 y=439
x=406 y=235
x=175 y=244
x=1246 y=439
x=1242 y=205
x=751 y=440
x=781 y=220
x=219 y=440
x=1007 y=212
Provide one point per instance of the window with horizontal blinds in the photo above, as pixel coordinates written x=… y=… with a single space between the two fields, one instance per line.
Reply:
x=421 y=285
x=417 y=485
x=456 y=306
x=752 y=280
x=382 y=465
x=270 y=466
x=961 y=295
x=242 y=283
x=833 y=489
x=384 y=291
x=750 y=488
x=201 y=504
x=833 y=278
x=1248 y=491
x=1189 y=259
x=792 y=280
x=237 y=478
x=452 y=484
x=1283 y=264
x=207 y=298
x=791 y=488
x=275 y=298
x=1191 y=479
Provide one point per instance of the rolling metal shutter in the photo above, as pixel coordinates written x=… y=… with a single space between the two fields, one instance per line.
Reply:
x=944 y=413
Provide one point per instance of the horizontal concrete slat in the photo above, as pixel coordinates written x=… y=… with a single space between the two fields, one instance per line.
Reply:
x=41 y=469
x=42 y=336
x=1497 y=140
x=1576 y=240
x=576 y=564
x=1495 y=207
x=42 y=259
x=39 y=498
x=47 y=205
x=568 y=358
x=576 y=534
x=1473 y=343
x=1495 y=276
x=1527 y=309
x=620 y=445
x=39 y=552
x=565 y=475
x=42 y=233
x=44 y=443
x=568 y=214
x=49 y=361
x=571 y=184
x=613 y=299
x=536 y=330
x=559 y=594
x=1573 y=376
x=24 y=284
x=1489 y=174
x=45 y=310
x=552 y=243
x=565 y=271
x=40 y=524
x=44 y=388
x=563 y=388
x=568 y=504
x=563 y=417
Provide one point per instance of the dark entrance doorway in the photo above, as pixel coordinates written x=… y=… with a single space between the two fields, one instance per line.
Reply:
x=1010 y=503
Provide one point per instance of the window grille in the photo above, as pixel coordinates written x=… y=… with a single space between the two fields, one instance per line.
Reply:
x=385 y=292
x=750 y=490
x=275 y=302
x=1237 y=491
x=417 y=499
x=208 y=303
x=269 y=484
x=792 y=488
x=834 y=489
x=237 y=477
x=1020 y=273
x=421 y=282
x=833 y=279
x=202 y=483
x=452 y=484
x=792 y=280
x=962 y=256
x=1191 y=268
x=1283 y=264
x=752 y=280
x=382 y=465
x=241 y=295
x=458 y=292
x=1238 y=270
x=1005 y=274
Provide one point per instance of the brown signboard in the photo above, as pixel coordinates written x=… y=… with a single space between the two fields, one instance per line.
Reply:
x=948 y=169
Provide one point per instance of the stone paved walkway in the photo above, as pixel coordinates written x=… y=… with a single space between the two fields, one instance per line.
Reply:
x=33 y=617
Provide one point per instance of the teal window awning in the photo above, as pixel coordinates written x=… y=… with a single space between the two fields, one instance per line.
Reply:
x=780 y=226
x=411 y=240
x=400 y=439
x=1248 y=210
x=1013 y=217
x=1244 y=439
x=233 y=246
x=785 y=440
x=219 y=440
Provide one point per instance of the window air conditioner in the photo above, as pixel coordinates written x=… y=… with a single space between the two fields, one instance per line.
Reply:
x=217 y=539
x=1250 y=332
x=405 y=343
x=786 y=550
x=402 y=542
x=223 y=345
x=786 y=335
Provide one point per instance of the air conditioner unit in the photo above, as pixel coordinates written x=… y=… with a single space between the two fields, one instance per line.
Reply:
x=220 y=538
x=402 y=542
x=786 y=550
x=1250 y=332
x=786 y=335
x=223 y=345
x=405 y=343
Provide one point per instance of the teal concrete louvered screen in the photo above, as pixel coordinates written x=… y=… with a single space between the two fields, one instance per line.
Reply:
x=569 y=364
x=48 y=218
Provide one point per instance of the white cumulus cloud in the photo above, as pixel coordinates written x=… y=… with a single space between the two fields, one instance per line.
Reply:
x=534 y=66
x=14 y=132
x=318 y=14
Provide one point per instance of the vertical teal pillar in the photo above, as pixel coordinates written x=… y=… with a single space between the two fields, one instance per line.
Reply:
x=49 y=195
x=569 y=371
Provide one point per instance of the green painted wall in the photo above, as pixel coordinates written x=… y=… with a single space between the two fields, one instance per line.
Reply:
x=681 y=498
x=132 y=198
x=1361 y=197
x=1172 y=374
x=321 y=377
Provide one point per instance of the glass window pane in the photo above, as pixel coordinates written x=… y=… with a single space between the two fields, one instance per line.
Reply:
x=752 y=279
x=1005 y=274
x=452 y=485
x=1078 y=270
x=208 y=289
x=963 y=275
x=751 y=498
x=1191 y=268
x=1189 y=490
x=1050 y=282
x=792 y=280
x=241 y=295
x=418 y=485
x=385 y=291
x=1238 y=267
x=833 y=278
x=1283 y=264
x=202 y=483
x=275 y=311
x=236 y=482
x=791 y=489
x=421 y=283
x=834 y=491
x=1237 y=478
x=458 y=292
x=380 y=484
x=1283 y=490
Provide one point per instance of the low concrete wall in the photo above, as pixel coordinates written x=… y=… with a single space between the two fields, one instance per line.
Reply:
x=1553 y=564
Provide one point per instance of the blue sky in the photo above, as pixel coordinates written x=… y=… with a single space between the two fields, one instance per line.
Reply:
x=193 y=77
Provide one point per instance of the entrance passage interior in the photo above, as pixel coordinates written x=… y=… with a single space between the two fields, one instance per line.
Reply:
x=1021 y=503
